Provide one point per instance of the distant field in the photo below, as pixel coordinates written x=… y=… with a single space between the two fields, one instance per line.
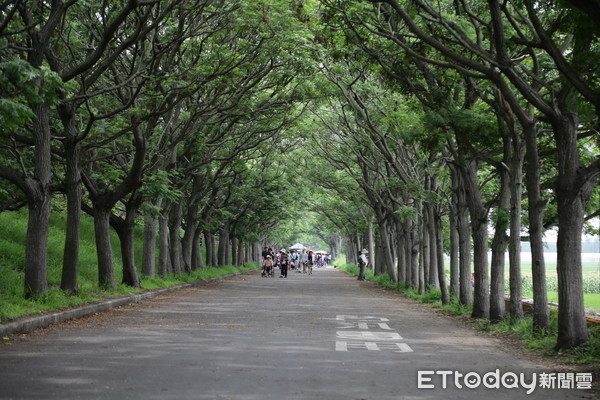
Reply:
x=591 y=300
x=588 y=267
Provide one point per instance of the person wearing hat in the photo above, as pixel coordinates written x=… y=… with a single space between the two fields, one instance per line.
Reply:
x=284 y=262
x=362 y=264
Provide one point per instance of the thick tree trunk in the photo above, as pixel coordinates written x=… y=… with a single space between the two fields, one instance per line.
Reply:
x=401 y=246
x=464 y=243
x=371 y=242
x=210 y=248
x=149 y=246
x=187 y=242
x=241 y=252
x=499 y=244
x=454 y=250
x=74 y=194
x=149 y=252
x=425 y=249
x=175 y=238
x=479 y=231
x=414 y=253
x=541 y=315
x=39 y=198
x=222 y=249
x=422 y=267
x=163 y=245
x=433 y=281
x=106 y=274
x=191 y=222
x=441 y=270
x=514 y=245
x=36 y=253
x=197 y=261
x=126 y=231
x=573 y=191
x=388 y=259
x=234 y=254
x=408 y=253
x=228 y=249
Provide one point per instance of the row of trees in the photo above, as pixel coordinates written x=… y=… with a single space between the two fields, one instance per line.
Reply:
x=213 y=122
x=453 y=116
x=168 y=112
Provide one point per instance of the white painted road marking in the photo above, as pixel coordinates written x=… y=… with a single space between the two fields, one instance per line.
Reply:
x=355 y=317
x=373 y=346
x=364 y=325
x=365 y=338
x=368 y=335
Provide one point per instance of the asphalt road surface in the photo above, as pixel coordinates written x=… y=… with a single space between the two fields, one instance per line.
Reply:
x=323 y=336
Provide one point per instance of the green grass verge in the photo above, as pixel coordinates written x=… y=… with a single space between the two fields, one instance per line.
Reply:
x=523 y=329
x=13 y=304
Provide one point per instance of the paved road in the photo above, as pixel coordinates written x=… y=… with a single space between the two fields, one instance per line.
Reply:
x=324 y=336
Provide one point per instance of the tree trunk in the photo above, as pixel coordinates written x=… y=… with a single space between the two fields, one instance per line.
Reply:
x=401 y=246
x=414 y=253
x=210 y=248
x=499 y=244
x=149 y=249
x=479 y=231
x=197 y=261
x=240 y=250
x=454 y=251
x=514 y=245
x=464 y=244
x=433 y=281
x=222 y=249
x=36 y=253
x=234 y=254
x=420 y=235
x=149 y=252
x=163 y=245
x=126 y=231
x=541 y=315
x=228 y=249
x=38 y=201
x=187 y=242
x=371 y=243
x=175 y=238
x=441 y=270
x=106 y=274
x=408 y=253
x=74 y=194
x=573 y=191
x=388 y=260
x=425 y=249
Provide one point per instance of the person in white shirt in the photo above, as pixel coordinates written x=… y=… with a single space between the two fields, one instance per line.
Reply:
x=363 y=261
x=303 y=261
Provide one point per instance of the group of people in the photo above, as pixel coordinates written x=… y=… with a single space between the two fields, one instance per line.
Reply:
x=300 y=261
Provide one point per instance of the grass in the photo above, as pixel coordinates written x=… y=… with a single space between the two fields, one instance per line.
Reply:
x=591 y=300
x=588 y=354
x=13 y=304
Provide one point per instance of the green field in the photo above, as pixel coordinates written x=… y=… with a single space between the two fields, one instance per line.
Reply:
x=591 y=283
x=591 y=277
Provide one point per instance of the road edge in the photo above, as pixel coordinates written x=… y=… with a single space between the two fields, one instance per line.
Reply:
x=30 y=324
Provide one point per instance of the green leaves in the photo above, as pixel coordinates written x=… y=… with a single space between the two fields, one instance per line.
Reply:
x=22 y=87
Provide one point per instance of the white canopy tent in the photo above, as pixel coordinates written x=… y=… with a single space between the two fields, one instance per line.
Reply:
x=298 y=246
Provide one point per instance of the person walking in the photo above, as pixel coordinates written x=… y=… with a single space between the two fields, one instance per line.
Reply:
x=303 y=261
x=363 y=261
x=310 y=262
x=284 y=263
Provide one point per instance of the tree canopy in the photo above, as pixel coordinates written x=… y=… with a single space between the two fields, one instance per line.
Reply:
x=408 y=127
